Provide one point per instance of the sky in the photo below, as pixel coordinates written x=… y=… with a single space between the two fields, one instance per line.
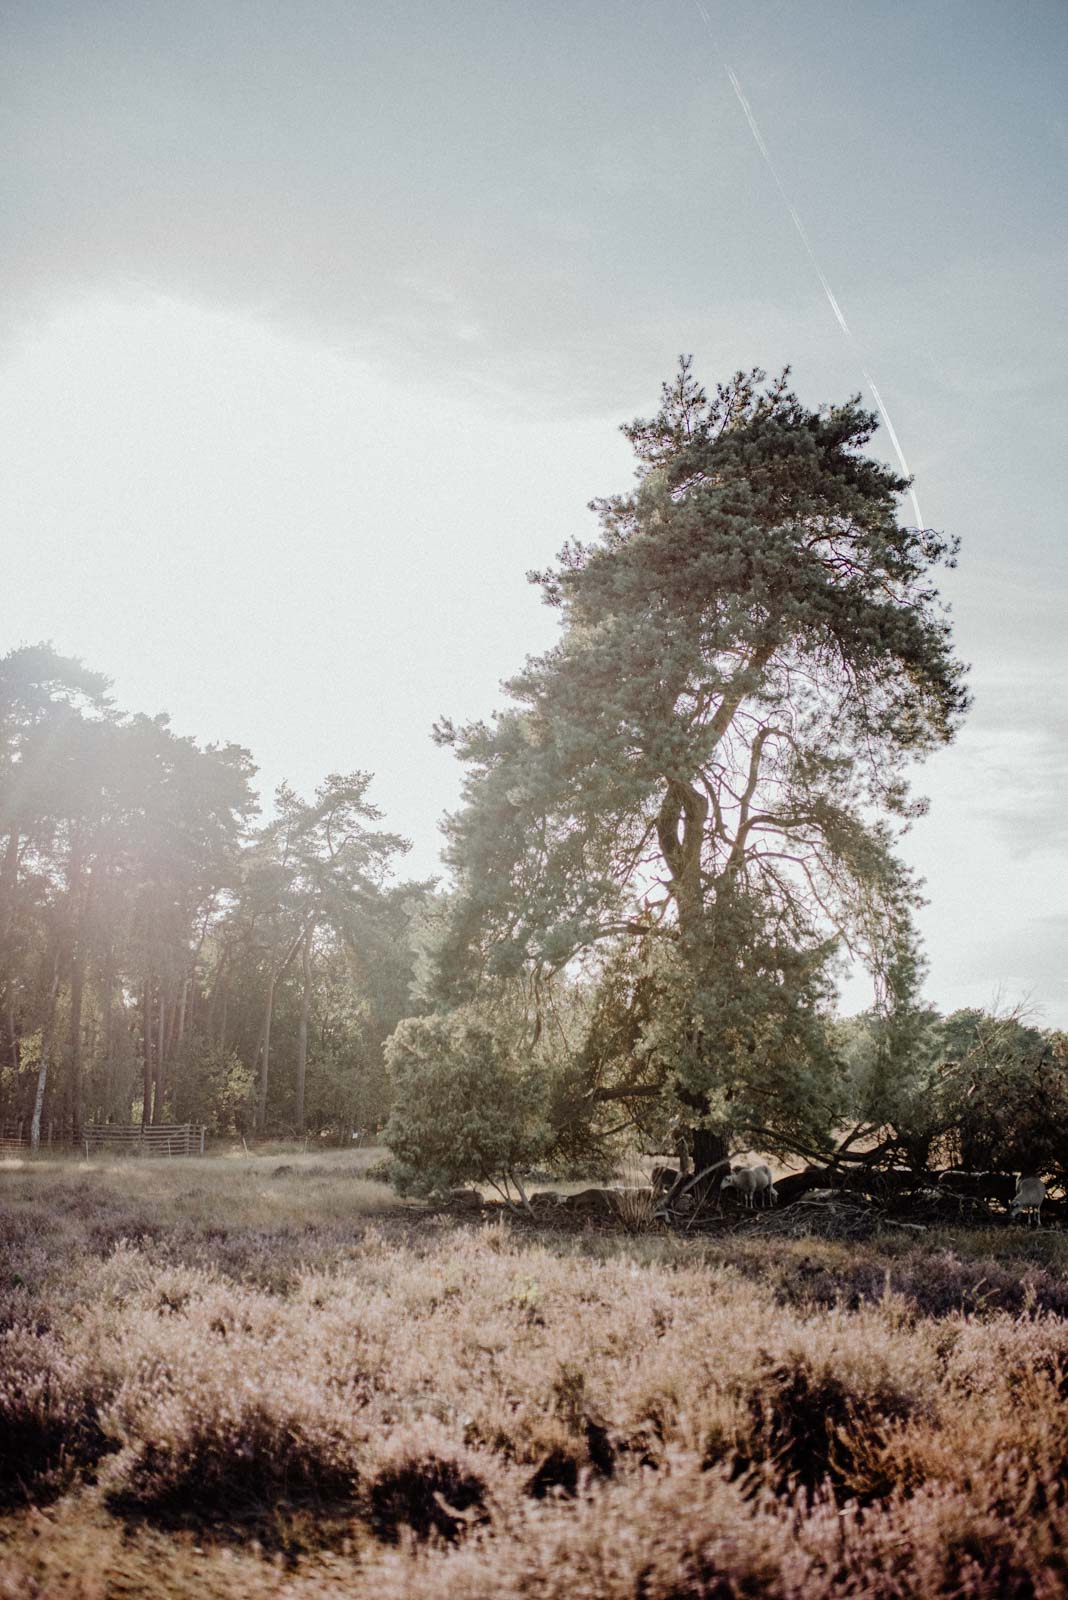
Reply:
x=318 y=323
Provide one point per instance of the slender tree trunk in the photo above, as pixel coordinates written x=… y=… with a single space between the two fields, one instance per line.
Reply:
x=161 y=1036
x=77 y=994
x=8 y=885
x=146 y=1035
x=46 y=1051
x=182 y=1003
x=265 y=1031
x=172 y=1028
x=302 y=1032
x=225 y=1015
x=88 y=1109
x=218 y=988
x=684 y=807
x=13 y=1047
x=265 y=1058
x=107 y=1098
x=9 y=873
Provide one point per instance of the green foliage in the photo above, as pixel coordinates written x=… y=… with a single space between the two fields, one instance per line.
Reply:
x=215 y=1087
x=973 y=1089
x=117 y=840
x=465 y=1108
x=149 y=938
x=687 y=789
x=1000 y=1098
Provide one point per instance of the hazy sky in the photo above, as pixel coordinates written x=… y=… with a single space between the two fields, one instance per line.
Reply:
x=318 y=323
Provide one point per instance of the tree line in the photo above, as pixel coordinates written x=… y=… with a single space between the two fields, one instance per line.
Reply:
x=165 y=956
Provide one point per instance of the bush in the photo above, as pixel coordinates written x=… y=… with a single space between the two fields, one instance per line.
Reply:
x=464 y=1109
x=426 y=1484
x=810 y=1426
x=49 y=1418
x=217 y=1445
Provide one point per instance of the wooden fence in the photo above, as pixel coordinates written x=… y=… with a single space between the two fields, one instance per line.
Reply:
x=163 y=1139
x=15 y=1137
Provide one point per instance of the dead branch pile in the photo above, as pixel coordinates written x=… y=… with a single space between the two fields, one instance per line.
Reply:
x=830 y=1215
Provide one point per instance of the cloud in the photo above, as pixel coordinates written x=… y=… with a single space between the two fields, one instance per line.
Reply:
x=1011 y=761
x=469 y=196
x=1026 y=965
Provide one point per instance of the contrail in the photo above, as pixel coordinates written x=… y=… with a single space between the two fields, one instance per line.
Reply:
x=892 y=431
x=795 y=219
x=802 y=233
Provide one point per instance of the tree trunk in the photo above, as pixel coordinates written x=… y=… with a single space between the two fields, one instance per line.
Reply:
x=108 y=991
x=172 y=1029
x=224 y=1017
x=8 y=884
x=302 y=1032
x=183 y=1002
x=146 y=1035
x=710 y=1149
x=77 y=993
x=14 y=1041
x=220 y=977
x=684 y=805
x=157 y=1099
x=46 y=1051
x=265 y=1031
x=265 y=1058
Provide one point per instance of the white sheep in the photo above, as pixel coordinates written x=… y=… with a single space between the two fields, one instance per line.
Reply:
x=1030 y=1193
x=749 y=1182
x=767 y=1188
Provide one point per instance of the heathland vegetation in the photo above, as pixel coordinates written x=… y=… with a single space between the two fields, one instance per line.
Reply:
x=264 y=1376
x=270 y=1373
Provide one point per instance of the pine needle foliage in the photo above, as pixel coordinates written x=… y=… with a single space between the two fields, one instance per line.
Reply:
x=702 y=780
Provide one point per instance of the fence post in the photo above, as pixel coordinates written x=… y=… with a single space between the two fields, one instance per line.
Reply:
x=202 y=1141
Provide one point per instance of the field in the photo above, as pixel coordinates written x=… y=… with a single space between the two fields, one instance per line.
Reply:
x=267 y=1376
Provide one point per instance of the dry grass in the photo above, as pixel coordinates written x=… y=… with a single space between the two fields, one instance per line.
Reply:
x=218 y=1378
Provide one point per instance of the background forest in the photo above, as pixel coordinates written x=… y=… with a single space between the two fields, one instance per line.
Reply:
x=164 y=958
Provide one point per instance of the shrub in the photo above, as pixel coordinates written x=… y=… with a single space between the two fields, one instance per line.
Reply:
x=427 y=1484
x=49 y=1418
x=809 y=1426
x=230 y=1466
x=464 y=1109
x=225 y=1409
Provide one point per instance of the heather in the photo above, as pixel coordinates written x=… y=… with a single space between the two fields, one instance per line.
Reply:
x=269 y=1376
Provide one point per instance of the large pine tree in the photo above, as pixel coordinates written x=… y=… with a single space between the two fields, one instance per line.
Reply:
x=696 y=792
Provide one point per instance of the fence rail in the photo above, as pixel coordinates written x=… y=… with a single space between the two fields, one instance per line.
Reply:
x=160 y=1139
x=15 y=1137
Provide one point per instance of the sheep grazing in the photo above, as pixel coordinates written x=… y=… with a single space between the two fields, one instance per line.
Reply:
x=1030 y=1193
x=749 y=1182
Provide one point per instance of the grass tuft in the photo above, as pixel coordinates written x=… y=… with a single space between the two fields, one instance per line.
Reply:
x=50 y=1429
